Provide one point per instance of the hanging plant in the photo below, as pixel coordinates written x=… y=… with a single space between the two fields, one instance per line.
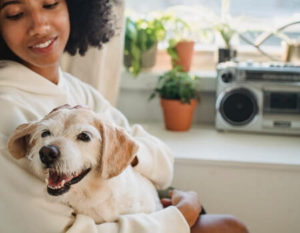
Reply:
x=140 y=36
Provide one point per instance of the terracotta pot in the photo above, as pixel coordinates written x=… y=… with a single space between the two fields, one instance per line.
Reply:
x=178 y=116
x=185 y=50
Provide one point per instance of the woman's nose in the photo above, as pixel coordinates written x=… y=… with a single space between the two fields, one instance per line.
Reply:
x=39 y=23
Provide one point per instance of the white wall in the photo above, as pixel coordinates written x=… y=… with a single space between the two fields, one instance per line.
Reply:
x=265 y=197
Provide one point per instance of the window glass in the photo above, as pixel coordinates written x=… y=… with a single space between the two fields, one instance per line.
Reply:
x=261 y=9
x=250 y=17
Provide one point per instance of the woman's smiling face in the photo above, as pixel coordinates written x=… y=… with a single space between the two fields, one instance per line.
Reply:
x=35 y=30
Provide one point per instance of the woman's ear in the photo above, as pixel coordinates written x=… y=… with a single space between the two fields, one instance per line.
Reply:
x=18 y=143
x=117 y=150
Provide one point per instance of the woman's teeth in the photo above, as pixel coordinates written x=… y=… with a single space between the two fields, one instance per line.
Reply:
x=43 y=45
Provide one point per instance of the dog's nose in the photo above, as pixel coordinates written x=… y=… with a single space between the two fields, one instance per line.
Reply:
x=48 y=154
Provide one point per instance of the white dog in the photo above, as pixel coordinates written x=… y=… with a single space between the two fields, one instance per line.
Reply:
x=86 y=163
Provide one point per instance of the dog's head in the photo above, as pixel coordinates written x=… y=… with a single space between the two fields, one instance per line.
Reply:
x=69 y=143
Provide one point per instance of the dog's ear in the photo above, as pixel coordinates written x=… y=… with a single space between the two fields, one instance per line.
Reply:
x=117 y=151
x=18 y=143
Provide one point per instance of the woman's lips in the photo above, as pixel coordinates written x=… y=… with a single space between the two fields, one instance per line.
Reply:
x=44 y=47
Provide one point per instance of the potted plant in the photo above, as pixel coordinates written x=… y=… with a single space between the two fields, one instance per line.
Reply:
x=178 y=97
x=181 y=53
x=180 y=43
x=141 y=38
x=226 y=32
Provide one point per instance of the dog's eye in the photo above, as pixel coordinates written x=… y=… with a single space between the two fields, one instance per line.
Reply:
x=46 y=133
x=84 y=137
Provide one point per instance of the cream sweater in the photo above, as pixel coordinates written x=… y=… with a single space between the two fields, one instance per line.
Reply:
x=24 y=206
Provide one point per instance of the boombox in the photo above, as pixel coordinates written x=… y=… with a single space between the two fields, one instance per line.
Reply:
x=258 y=97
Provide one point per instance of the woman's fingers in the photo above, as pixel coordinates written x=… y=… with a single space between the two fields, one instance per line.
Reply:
x=166 y=202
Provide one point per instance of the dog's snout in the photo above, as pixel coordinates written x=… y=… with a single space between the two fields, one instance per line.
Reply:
x=48 y=154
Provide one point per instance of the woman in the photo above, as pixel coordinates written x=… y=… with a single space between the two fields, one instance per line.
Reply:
x=34 y=35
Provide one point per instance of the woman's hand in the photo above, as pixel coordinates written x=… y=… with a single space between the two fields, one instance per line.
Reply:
x=187 y=202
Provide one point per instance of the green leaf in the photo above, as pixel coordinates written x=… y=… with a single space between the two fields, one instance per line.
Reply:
x=140 y=36
x=176 y=84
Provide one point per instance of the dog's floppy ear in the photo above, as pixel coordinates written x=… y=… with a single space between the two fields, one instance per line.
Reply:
x=117 y=151
x=18 y=143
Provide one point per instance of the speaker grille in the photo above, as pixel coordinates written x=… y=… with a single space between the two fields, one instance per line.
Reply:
x=239 y=106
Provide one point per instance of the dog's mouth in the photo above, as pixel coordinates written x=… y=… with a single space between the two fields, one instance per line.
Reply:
x=58 y=184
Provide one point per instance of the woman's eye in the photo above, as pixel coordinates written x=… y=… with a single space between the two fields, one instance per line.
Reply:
x=51 y=5
x=15 y=16
x=46 y=133
x=83 y=137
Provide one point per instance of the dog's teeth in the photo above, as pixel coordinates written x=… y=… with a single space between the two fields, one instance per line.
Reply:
x=46 y=180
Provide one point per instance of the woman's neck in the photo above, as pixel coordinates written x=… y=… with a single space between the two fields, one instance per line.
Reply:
x=50 y=73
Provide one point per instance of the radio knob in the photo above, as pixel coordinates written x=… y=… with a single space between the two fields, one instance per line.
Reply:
x=227 y=77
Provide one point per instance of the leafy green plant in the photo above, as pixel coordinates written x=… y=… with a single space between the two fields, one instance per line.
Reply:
x=140 y=36
x=179 y=30
x=177 y=85
x=226 y=32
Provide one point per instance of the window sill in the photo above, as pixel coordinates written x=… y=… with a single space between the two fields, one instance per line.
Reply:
x=203 y=143
x=147 y=80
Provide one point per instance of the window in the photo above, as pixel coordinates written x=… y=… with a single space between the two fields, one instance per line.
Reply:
x=250 y=17
x=267 y=11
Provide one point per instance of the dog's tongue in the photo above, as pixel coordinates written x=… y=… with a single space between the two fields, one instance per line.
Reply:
x=55 y=179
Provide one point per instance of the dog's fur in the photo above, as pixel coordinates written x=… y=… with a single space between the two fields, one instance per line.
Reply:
x=109 y=186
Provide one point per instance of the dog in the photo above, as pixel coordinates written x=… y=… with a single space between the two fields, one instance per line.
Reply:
x=86 y=163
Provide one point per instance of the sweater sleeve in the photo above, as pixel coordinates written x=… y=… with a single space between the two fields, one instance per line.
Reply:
x=166 y=220
x=155 y=158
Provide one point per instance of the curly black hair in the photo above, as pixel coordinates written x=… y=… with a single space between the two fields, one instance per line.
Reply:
x=92 y=24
